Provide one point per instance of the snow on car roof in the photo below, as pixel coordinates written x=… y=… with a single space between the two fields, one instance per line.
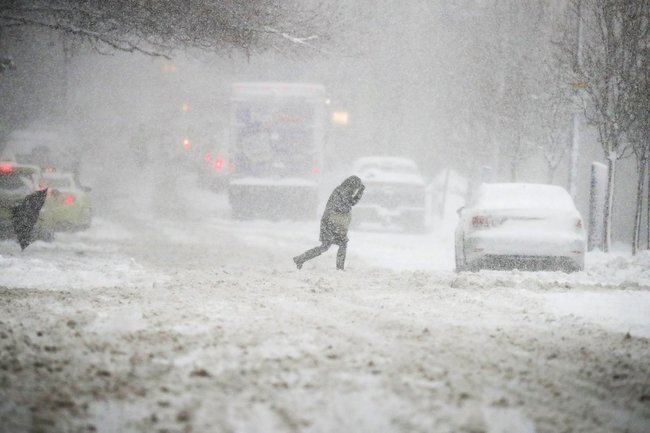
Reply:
x=273 y=88
x=388 y=169
x=57 y=174
x=523 y=195
x=59 y=179
x=385 y=161
x=22 y=168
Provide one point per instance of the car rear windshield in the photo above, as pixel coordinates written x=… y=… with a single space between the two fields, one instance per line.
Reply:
x=15 y=182
x=524 y=197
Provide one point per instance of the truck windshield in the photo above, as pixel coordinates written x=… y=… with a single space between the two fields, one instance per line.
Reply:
x=274 y=136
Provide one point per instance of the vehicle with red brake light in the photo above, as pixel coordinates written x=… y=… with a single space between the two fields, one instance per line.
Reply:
x=17 y=181
x=215 y=168
x=68 y=205
x=520 y=226
x=275 y=152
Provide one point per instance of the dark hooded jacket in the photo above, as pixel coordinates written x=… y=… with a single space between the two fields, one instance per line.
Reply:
x=336 y=219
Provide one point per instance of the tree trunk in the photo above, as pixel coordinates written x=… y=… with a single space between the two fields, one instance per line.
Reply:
x=647 y=246
x=513 y=168
x=550 y=172
x=575 y=155
x=638 y=212
x=609 y=203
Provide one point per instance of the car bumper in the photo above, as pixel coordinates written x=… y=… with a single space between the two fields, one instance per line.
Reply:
x=389 y=216
x=564 y=250
x=67 y=219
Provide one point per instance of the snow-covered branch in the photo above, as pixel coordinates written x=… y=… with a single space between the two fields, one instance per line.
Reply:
x=157 y=27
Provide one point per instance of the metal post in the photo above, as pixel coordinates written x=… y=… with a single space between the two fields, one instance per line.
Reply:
x=597 y=195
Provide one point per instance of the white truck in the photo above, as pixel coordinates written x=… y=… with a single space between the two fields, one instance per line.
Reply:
x=276 y=149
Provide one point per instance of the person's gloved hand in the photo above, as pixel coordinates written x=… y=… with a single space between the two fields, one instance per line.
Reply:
x=359 y=193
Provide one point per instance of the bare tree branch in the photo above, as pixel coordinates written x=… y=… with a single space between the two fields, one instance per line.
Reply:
x=157 y=27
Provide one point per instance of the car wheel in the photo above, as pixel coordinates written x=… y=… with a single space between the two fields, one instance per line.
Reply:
x=43 y=235
x=574 y=267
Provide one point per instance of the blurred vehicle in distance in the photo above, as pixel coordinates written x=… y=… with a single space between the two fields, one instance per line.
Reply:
x=214 y=171
x=17 y=181
x=45 y=146
x=68 y=206
x=520 y=226
x=275 y=150
x=395 y=193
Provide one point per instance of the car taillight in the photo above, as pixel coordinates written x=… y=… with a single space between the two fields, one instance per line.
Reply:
x=484 y=221
x=207 y=157
x=68 y=200
x=480 y=221
x=187 y=143
x=6 y=168
x=217 y=164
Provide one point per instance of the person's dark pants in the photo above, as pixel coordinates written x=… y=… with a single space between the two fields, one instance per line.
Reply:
x=315 y=252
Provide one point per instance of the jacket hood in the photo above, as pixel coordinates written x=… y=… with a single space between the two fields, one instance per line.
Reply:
x=352 y=183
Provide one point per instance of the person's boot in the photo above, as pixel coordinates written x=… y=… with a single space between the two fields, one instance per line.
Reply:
x=298 y=262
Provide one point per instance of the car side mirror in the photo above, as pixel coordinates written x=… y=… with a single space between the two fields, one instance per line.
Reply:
x=459 y=210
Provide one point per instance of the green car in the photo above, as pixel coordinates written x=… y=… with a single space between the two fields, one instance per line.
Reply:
x=16 y=182
x=68 y=206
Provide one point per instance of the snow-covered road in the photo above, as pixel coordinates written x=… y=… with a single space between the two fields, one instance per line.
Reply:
x=167 y=316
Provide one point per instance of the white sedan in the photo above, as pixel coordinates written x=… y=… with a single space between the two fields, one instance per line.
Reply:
x=520 y=226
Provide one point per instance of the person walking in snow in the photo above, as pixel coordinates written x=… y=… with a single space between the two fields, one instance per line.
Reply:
x=335 y=222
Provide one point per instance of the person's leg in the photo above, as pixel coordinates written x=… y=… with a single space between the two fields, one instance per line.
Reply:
x=340 y=256
x=310 y=254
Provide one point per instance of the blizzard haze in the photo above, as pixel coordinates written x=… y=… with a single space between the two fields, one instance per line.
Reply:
x=436 y=82
x=177 y=311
